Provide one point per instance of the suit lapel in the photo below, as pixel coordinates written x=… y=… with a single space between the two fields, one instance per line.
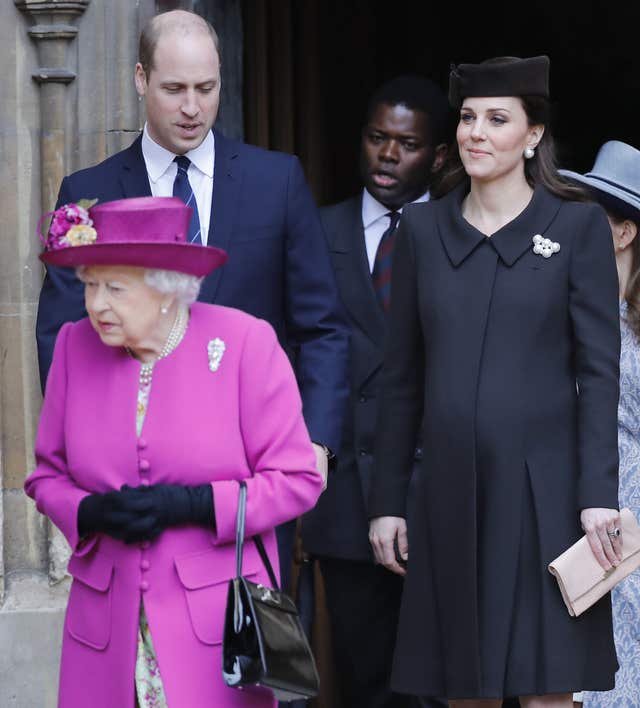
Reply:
x=362 y=296
x=227 y=178
x=356 y=287
x=133 y=175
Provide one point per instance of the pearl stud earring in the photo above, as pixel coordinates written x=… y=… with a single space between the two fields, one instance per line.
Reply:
x=164 y=309
x=529 y=152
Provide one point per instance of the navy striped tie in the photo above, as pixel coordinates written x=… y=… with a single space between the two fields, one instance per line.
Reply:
x=381 y=273
x=182 y=189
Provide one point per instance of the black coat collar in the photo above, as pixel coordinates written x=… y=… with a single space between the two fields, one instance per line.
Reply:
x=460 y=238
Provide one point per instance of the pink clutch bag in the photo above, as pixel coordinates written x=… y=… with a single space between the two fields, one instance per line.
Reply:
x=581 y=578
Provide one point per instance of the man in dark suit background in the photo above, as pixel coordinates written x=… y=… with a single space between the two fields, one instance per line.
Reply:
x=253 y=203
x=403 y=145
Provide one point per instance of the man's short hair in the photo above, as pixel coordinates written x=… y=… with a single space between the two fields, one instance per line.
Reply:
x=158 y=24
x=417 y=93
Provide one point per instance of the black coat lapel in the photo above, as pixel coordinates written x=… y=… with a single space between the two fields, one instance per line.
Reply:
x=227 y=177
x=516 y=238
x=133 y=176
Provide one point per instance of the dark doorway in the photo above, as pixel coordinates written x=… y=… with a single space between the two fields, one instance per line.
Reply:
x=310 y=65
x=337 y=51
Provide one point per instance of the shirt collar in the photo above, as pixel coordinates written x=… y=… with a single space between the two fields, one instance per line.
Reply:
x=372 y=209
x=159 y=159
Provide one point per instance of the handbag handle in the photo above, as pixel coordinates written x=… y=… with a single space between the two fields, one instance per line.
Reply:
x=242 y=508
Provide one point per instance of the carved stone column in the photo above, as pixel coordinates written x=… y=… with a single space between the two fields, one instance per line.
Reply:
x=37 y=50
x=53 y=30
x=68 y=101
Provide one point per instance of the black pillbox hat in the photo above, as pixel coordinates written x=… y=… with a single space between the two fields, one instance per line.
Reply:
x=506 y=76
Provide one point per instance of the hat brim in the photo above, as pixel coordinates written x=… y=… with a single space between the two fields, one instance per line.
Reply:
x=181 y=257
x=616 y=199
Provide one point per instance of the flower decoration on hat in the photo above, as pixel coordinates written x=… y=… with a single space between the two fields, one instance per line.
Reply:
x=144 y=232
x=70 y=225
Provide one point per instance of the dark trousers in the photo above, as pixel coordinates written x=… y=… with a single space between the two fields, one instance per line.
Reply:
x=286 y=536
x=363 y=600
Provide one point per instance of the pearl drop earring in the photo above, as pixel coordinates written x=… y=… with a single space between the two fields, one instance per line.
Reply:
x=529 y=152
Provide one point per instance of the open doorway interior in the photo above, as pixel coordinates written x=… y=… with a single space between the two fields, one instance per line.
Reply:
x=311 y=64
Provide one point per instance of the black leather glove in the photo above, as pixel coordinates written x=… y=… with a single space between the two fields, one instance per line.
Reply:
x=110 y=513
x=169 y=505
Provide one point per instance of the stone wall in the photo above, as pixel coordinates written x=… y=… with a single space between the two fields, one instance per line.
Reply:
x=67 y=100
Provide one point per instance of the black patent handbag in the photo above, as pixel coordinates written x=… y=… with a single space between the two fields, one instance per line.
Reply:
x=264 y=645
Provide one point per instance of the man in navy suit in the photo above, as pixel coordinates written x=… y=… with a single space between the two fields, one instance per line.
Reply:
x=402 y=146
x=254 y=204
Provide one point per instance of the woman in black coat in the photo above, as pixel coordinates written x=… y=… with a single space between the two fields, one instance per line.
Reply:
x=505 y=341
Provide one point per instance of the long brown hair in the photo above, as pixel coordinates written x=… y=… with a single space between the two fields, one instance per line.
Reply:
x=632 y=291
x=540 y=169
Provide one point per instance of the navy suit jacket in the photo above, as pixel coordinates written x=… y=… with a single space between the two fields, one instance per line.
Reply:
x=338 y=526
x=264 y=216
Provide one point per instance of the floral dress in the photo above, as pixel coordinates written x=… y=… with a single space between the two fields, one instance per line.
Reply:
x=626 y=595
x=149 y=689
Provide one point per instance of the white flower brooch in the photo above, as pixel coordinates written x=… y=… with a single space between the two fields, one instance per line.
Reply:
x=215 y=350
x=545 y=247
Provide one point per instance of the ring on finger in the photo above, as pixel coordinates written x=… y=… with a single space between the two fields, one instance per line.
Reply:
x=613 y=533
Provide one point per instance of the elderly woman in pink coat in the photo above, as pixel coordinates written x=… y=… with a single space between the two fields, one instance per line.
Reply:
x=155 y=408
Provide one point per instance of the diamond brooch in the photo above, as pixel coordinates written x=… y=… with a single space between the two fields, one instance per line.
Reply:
x=215 y=350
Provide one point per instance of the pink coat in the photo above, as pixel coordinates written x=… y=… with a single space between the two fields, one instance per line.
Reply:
x=243 y=421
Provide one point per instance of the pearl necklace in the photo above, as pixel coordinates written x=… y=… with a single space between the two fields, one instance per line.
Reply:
x=176 y=334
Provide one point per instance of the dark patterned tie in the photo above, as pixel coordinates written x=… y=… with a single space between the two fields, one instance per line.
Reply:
x=182 y=189
x=381 y=273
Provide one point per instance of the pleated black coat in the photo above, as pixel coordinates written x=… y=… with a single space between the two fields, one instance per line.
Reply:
x=512 y=359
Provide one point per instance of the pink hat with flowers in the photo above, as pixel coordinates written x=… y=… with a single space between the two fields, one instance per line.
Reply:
x=150 y=232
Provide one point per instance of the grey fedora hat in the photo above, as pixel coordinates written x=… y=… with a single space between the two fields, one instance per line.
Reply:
x=615 y=177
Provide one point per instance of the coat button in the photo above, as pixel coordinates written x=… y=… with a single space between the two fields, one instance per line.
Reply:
x=144 y=586
x=363 y=399
x=144 y=564
x=145 y=545
x=144 y=465
x=144 y=482
x=363 y=453
x=142 y=443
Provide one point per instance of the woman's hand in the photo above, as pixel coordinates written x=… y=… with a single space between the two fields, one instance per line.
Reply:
x=384 y=533
x=169 y=505
x=135 y=514
x=600 y=526
x=111 y=513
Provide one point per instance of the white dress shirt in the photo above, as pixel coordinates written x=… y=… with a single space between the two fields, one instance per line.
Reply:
x=162 y=171
x=375 y=222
